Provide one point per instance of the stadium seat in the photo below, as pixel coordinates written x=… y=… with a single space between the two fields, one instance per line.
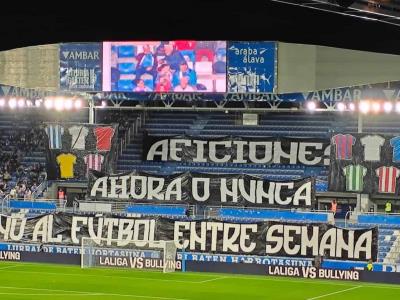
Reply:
x=125 y=51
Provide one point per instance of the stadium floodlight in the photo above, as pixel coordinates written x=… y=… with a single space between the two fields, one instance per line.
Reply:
x=68 y=103
x=48 y=103
x=311 y=105
x=341 y=106
x=59 y=103
x=376 y=107
x=364 y=107
x=388 y=107
x=2 y=102
x=397 y=108
x=38 y=102
x=29 y=103
x=78 y=103
x=352 y=106
x=12 y=103
x=21 y=103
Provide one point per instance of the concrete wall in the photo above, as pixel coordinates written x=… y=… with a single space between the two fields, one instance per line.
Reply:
x=307 y=68
x=31 y=67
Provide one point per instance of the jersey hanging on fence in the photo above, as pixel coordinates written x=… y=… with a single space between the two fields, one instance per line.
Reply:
x=354 y=177
x=387 y=179
x=395 y=143
x=344 y=145
x=372 y=147
x=94 y=161
x=82 y=141
x=55 y=133
x=103 y=136
x=66 y=162
x=78 y=134
x=372 y=168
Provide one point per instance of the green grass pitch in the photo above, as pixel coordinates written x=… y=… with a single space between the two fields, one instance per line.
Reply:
x=45 y=281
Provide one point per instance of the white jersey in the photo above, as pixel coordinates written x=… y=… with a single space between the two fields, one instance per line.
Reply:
x=372 y=147
x=79 y=134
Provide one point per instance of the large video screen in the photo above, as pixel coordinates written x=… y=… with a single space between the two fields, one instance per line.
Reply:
x=164 y=67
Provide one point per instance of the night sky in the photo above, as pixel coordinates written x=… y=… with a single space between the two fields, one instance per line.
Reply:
x=25 y=24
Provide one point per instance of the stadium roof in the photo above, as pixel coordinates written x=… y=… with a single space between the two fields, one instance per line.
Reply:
x=33 y=23
x=385 y=11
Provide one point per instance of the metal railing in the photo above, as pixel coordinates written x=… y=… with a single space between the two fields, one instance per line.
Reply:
x=213 y=209
x=131 y=133
x=40 y=189
x=350 y=214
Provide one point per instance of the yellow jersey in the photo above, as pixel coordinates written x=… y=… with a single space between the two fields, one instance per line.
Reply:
x=66 y=162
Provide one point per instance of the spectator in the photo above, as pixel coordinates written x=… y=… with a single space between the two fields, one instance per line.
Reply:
x=146 y=62
x=13 y=193
x=6 y=176
x=34 y=188
x=334 y=207
x=164 y=85
x=318 y=261
x=370 y=266
x=184 y=71
x=28 y=195
x=141 y=87
x=164 y=71
x=184 y=85
x=388 y=207
x=61 y=194
x=172 y=56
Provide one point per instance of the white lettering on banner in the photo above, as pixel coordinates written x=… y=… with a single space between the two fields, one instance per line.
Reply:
x=85 y=55
x=240 y=152
x=224 y=237
x=313 y=273
x=303 y=153
x=22 y=92
x=279 y=237
x=235 y=237
x=10 y=255
x=43 y=231
x=237 y=151
x=366 y=239
x=205 y=182
x=231 y=190
x=12 y=224
x=150 y=188
x=335 y=95
x=199 y=151
x=175 y=149
x=310 y=241
x=279 y=153
x=284 y=271
x=213 y=151
x=125 y=230
x=266 y=158
x=153 y=151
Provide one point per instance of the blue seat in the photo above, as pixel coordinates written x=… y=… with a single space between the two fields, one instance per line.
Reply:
x=125 y=51
x=157 y=210
x=125 y=85
x=34 y=205
x=127 y=68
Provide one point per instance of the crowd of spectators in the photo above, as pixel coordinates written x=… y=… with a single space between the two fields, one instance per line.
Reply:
x=17 y=179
